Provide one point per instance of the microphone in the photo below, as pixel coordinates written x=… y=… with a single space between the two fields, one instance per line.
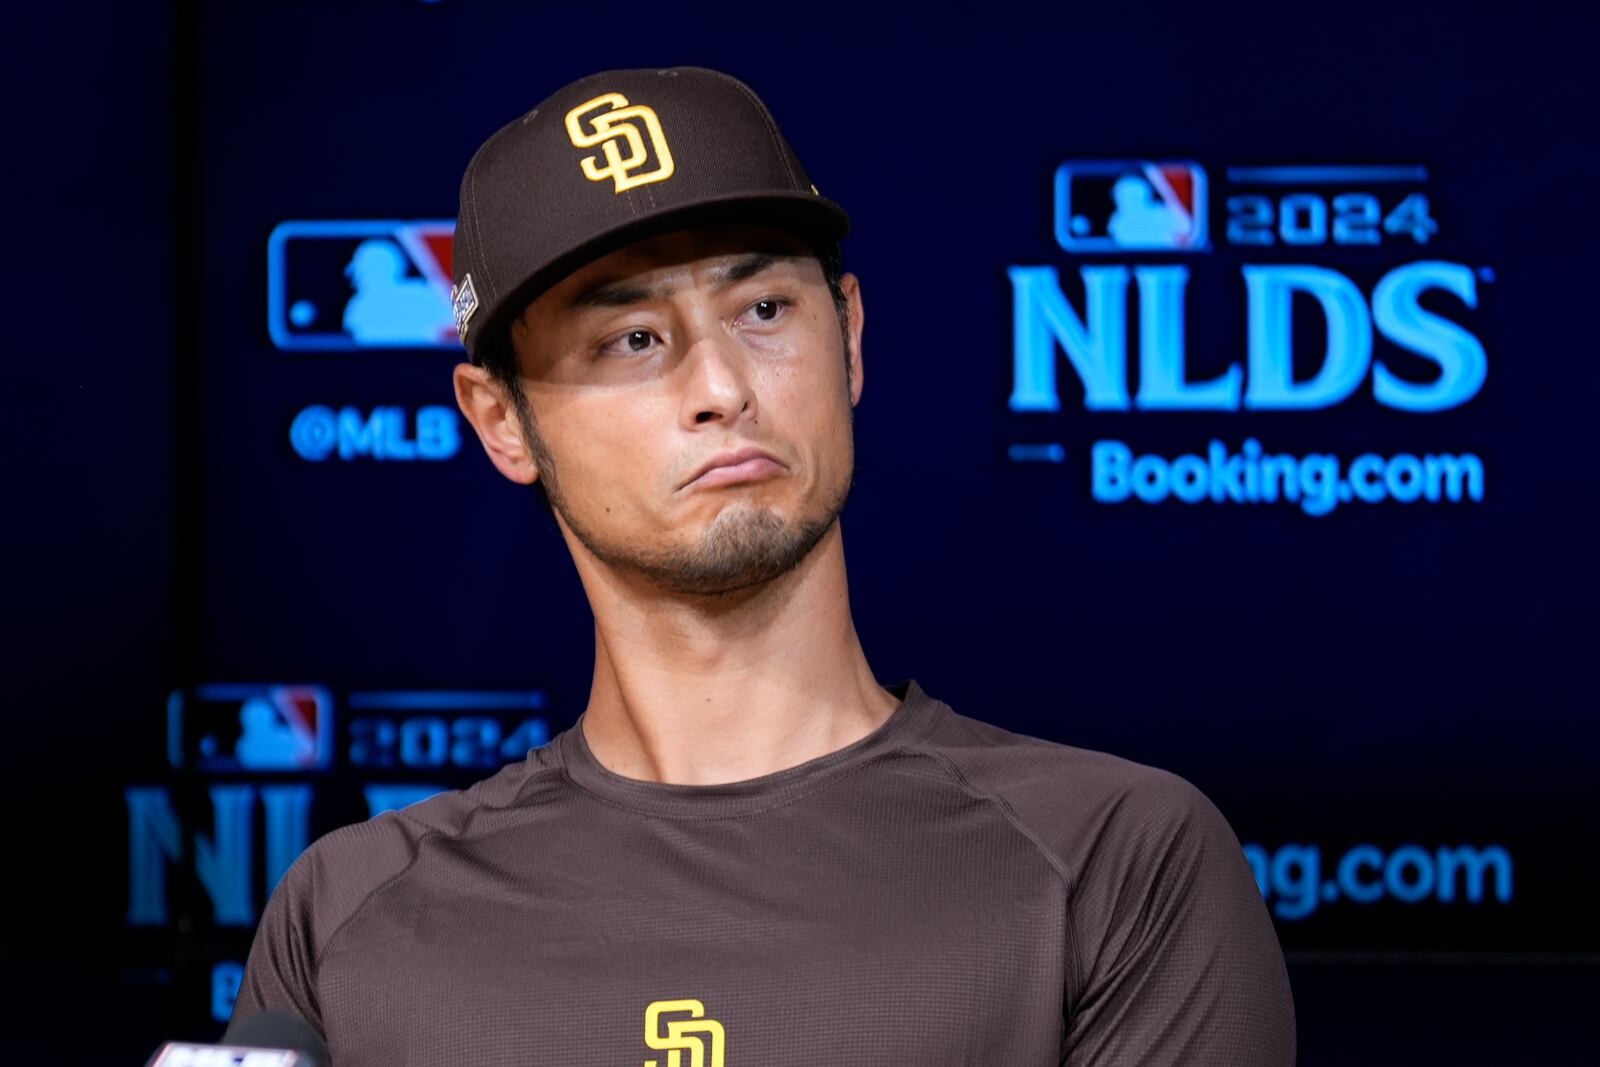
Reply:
x=264 y=1039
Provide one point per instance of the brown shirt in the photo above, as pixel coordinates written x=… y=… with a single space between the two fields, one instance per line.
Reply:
x=942 y=892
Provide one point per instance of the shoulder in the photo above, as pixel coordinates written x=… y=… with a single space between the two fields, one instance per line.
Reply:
x=1079 y=804
x=1170 y=950
x=330 y=882
x=342 y=870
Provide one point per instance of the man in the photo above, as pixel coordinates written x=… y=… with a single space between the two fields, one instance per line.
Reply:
x=745 y=849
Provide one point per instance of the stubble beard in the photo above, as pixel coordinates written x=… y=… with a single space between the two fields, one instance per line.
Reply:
x=746 y=546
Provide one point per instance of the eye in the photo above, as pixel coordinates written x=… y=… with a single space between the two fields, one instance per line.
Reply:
x=631 y=342
x=769 y=309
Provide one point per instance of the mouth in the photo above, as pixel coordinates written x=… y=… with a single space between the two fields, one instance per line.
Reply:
x=744 y=465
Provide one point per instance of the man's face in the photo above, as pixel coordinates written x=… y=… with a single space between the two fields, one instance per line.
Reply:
x=646 y=365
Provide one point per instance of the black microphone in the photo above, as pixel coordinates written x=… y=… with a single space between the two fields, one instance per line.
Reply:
x=264 y=1039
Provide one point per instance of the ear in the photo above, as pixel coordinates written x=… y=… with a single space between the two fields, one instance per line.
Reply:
x=489 y=407
x=850 y=285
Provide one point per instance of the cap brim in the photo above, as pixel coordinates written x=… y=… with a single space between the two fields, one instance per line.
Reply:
x=803 y=213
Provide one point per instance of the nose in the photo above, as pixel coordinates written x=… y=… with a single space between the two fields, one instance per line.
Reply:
x=718 y=386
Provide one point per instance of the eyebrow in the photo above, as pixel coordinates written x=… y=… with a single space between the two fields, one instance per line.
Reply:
x=740 y=269
x=621 y=294
x=612 y=295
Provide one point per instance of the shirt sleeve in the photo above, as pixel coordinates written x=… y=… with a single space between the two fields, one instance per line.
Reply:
x=280 y=972
x=1174 y=955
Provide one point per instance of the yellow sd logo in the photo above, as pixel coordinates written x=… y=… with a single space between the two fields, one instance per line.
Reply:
x=679 y=1034
x=620 y=124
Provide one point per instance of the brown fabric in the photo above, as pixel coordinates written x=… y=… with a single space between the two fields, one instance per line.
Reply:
x=941 y=892
x=608 y=160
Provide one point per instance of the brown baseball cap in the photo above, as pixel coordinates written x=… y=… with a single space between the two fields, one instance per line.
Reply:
x=608 y=160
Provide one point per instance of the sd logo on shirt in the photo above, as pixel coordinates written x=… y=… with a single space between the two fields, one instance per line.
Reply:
x=679 y=1036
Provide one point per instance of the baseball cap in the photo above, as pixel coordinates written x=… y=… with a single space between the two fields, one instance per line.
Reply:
x=608 y=160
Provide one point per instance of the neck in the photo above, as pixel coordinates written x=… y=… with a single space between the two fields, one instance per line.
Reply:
x=718 y=690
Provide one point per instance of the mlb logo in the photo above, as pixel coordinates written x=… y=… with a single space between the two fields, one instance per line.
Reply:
x=251 y=728
x=361 y=283
x=1131 y=206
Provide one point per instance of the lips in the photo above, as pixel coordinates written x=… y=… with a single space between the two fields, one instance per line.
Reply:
x=745 y=464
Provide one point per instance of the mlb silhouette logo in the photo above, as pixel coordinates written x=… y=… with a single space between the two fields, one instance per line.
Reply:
x=1131 y=206
x=251 y=728
x=360 y=283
